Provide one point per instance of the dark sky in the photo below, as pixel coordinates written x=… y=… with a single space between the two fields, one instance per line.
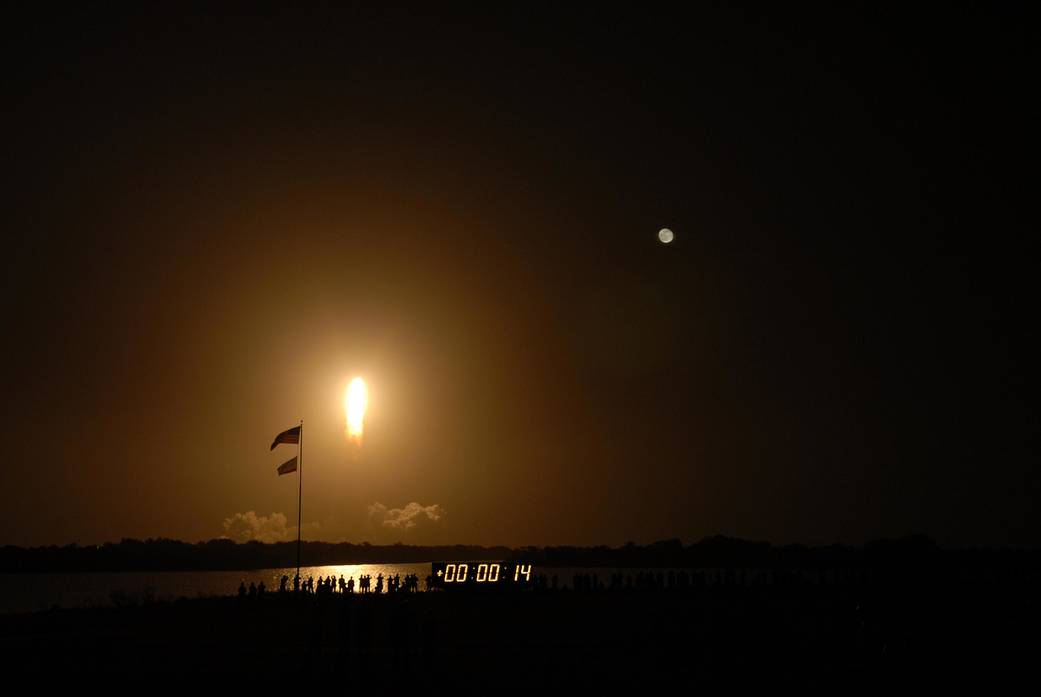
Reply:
x=214 y=219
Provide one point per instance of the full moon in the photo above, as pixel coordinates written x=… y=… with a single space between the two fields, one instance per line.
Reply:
x=665 y=235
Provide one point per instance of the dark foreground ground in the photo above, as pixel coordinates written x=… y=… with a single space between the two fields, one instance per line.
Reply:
x=456 y=643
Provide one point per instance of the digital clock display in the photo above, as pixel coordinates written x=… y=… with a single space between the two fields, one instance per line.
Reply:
x=481 y=574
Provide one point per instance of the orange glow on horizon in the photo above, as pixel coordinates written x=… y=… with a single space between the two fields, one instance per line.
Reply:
x=356 y=402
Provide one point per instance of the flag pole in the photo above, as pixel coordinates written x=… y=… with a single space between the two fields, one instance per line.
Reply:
x=300 y=494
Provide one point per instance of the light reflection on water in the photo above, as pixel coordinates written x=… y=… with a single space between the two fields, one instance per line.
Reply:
x=31 y=592
x=347 y=571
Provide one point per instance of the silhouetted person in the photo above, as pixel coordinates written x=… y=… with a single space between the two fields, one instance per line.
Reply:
x=260 y=589
x=379 y=584
x=242 y=589
x=282 y=583
x=252 y=590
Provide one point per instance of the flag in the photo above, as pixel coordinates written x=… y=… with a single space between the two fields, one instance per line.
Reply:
x=287 y=467
x=290 y=436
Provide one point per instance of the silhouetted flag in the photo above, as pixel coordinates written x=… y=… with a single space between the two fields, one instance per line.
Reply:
x=290 y=436
x=287 y=467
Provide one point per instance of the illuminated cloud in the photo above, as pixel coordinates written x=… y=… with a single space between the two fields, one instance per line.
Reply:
x=405 y=518
x=244 y=527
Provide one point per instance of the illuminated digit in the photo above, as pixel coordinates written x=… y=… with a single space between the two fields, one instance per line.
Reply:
x=449 y=573
x=493 y=576
x=526 y=570
x=516 y=572
x=482 y=573
x=463 y=568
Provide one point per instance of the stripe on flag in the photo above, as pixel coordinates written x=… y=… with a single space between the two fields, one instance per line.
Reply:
x=290 y=436
x=287 y=467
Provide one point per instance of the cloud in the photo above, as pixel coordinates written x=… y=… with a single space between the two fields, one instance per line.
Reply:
x=406 y=518
x=244 y=527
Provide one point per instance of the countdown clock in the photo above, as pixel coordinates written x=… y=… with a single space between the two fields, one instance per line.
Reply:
x=481 y=574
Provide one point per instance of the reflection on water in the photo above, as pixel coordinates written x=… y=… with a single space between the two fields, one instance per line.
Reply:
x=31 y=592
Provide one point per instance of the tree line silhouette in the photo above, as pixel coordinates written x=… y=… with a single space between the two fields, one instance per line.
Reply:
x=222 y=554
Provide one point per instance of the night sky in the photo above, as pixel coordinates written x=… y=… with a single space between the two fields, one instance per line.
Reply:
x=213 y=219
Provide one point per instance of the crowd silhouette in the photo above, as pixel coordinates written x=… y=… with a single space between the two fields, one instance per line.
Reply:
x=333 y=585
x=878 y=621
x=581 y=581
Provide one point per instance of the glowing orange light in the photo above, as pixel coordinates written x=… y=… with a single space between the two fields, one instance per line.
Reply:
x=356 y=402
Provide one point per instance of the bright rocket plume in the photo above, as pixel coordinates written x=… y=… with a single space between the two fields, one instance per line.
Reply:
x=356 y=402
